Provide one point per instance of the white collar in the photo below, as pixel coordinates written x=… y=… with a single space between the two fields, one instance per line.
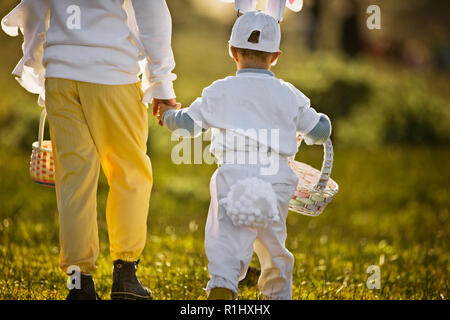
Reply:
x=254 y=71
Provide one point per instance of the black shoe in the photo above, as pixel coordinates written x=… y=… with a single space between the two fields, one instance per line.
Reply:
x=126 y=285
x=86 y=291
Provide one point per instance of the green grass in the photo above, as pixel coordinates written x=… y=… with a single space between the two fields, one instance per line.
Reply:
x=391 y=211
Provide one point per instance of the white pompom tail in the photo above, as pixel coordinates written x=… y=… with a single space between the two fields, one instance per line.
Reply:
x=251 y=202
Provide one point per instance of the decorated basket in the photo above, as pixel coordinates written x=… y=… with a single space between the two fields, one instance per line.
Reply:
x=315 y=188
x=42 y=166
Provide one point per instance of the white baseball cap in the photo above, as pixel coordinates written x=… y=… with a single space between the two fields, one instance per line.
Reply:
x=266 y=25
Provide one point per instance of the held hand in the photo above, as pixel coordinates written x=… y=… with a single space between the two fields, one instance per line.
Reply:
x=163 y=108
x=156 y=102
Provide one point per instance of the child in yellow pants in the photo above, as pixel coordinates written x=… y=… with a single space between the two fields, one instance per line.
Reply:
x=85 y=60
x=95 y=124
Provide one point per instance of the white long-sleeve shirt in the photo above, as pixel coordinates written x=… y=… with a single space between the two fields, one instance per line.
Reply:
x=104 y=41
x=250 y=110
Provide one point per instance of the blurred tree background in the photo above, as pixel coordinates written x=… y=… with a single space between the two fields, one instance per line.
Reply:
x=387 y=92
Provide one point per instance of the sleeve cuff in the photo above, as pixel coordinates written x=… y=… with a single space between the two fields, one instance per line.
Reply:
x=320 y=133
x=159 y=90
x=310 y=120
x=168 y=113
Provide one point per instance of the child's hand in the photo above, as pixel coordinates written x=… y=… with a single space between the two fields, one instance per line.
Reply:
x=162 y=108
x=157 y=101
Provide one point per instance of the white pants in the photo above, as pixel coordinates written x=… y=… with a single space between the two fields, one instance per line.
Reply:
x=229 y=248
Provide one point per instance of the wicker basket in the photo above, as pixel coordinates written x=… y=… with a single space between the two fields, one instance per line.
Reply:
x=315 y=188
x=42 y=166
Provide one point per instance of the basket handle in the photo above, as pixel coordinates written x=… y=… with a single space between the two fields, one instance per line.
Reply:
x=327 y=164
x=42 y=128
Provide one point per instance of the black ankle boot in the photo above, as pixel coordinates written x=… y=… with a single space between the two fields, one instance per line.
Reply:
x=126 y=285
x=86 y=291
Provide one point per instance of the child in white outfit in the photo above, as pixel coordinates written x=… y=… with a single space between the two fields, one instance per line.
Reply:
x=254 y=119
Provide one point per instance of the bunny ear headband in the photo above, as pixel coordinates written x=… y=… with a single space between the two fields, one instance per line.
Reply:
x=275 y=8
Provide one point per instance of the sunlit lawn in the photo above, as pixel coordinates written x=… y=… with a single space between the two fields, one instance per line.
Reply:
x=391 y=211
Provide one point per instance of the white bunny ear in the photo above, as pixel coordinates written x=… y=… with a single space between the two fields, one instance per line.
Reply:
x=243 y=6
x=275 y=8
x=294 y=5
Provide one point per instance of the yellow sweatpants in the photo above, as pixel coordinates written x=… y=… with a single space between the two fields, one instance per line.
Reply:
x=93 y=124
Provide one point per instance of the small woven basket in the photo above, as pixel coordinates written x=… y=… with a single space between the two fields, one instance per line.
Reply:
x=42 y=166
x=315 y=188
